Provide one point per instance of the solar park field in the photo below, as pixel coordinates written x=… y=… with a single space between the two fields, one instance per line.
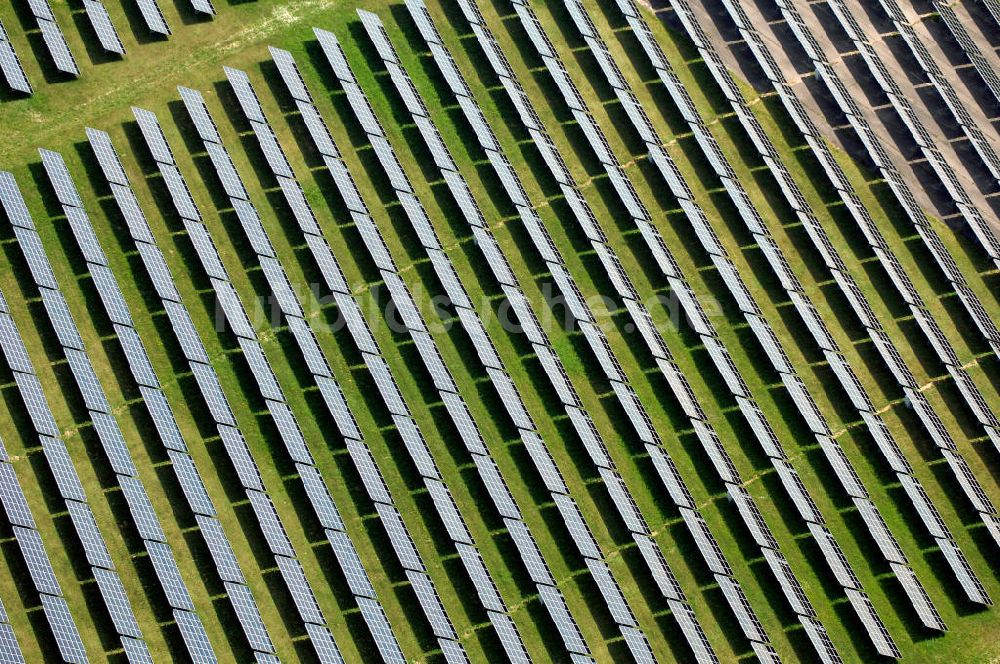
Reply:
x=488 y=330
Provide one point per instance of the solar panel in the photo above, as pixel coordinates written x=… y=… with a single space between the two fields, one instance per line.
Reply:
x=192 y=484
x=249 y=616
x=319 y=497
x=351 y=565
x=64 y=629
x=159 y=274
x=117 y=603
x=169 y=576
x=290 y=432
x=400 y=538
x=105 y=29
x=226 y=171
x=416 y=446
x=153 y=17
x=240 y=457
x=272 y=150
x=290 y=74
x=220 y=550
x=10 y=651
x=163 y=418
x=270 y=524
x=195 y=639
x=302 y=595
x=263 y=374
x=431 y=604
x=308 y=345
x=481 y=580
x=62 y=468
x=62 y=57
x=141 y=508
x=378 y=624
x=12 y=498
x=245 y=95
x=37 y=561
x=90 y=536
x=322 y=641
x=10 y=65
x=136 y=650
x=496 y=487
x=196 y=108
x=86 y=380
x=371 y=477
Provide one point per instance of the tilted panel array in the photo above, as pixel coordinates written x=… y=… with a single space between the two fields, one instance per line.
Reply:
x=57 y=458
x=501 y=381
x=151 y=14
x=748 y=510
x=928 y=147
x=549 y=360
x=697 y=319
x=53 y=37
x=15 y=506
x=973 y=397
x=145 y=519
x=981 y=64
x=315 y=487
x=99 y=19
x=287 y=300
x=10 y=65
x=371 y=476
x=883 y=343
x=10 y=649
x=413 y=440
x=987 y=235
x=845 y=374
x=161 y=413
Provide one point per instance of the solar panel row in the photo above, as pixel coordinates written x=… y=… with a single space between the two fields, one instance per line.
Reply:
x=287 y=427
x=561 y=174
x=15 y=506
x=986 y=418
x=712 y=246
x=143 y=516
x=952 y=101
x=980 y=227
x=189 y=478
x=969 y=47
x=776 y=261
x=64 y=630
x=99 y=19
x=510 y=397
x=495 y=485
x=53 y=37
x=232 y=438
x=411 y=435
x=10 y=65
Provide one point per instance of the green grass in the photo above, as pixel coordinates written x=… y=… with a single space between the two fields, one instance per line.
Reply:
x=55 y=117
